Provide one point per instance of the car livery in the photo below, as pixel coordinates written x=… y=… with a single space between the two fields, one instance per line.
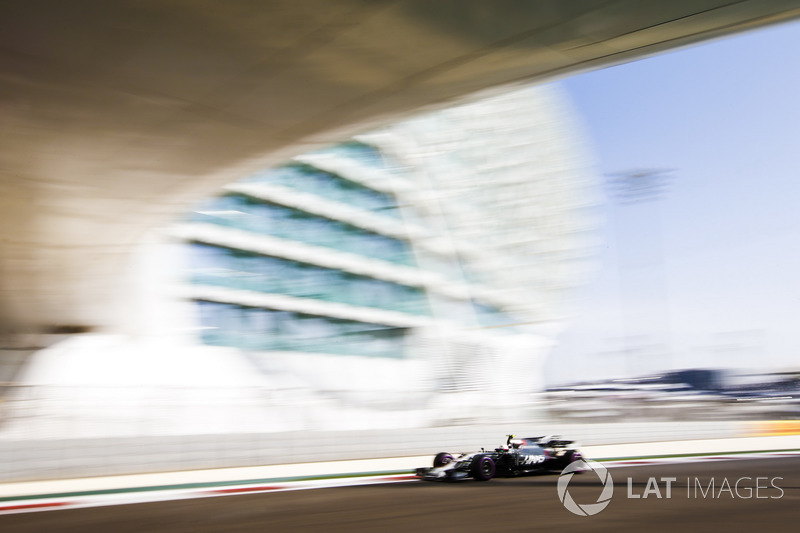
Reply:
x=519 y=456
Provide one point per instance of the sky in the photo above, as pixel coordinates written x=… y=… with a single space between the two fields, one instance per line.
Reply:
x=707 y=275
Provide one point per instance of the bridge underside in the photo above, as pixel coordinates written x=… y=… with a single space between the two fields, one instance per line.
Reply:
x=117 y=116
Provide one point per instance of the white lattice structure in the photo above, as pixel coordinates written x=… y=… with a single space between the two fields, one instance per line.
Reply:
x=507 y=179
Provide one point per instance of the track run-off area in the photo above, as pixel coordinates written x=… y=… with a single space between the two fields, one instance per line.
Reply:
x=748 y=492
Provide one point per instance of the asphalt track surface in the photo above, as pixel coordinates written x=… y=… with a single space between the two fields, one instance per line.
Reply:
x=517 y=504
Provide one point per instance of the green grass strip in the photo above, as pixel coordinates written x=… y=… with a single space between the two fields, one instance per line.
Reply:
x=680 y=455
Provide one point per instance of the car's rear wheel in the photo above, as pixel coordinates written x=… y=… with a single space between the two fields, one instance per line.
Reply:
x=441 y=459
x=572 y=457
x=483 y=468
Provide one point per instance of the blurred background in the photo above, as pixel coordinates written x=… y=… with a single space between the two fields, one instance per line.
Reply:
x=610 y=257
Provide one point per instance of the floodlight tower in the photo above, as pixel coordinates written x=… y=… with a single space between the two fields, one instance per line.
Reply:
x=642 y=272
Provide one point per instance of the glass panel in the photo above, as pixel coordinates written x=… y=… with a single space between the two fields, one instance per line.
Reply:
x=332 y=187
x=253 y=215
x=236 y=269
x=265 y=329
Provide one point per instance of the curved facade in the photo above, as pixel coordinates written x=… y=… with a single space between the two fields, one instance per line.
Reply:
x=431 y=256
x=413 y=275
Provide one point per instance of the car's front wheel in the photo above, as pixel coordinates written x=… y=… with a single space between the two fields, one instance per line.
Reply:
x=483 y=468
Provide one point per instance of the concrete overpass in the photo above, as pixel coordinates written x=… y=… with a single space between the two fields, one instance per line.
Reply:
x=117 y=116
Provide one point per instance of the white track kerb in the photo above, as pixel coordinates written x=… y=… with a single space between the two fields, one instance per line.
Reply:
x=585 y=509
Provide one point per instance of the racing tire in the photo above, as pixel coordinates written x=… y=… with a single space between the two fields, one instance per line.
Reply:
x=483 y=468
x=572 y=457
x=441 y=459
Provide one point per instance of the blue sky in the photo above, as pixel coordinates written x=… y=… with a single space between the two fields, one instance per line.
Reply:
x=708 y=276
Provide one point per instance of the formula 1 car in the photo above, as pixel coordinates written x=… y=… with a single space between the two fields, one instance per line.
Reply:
x=519 y=456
